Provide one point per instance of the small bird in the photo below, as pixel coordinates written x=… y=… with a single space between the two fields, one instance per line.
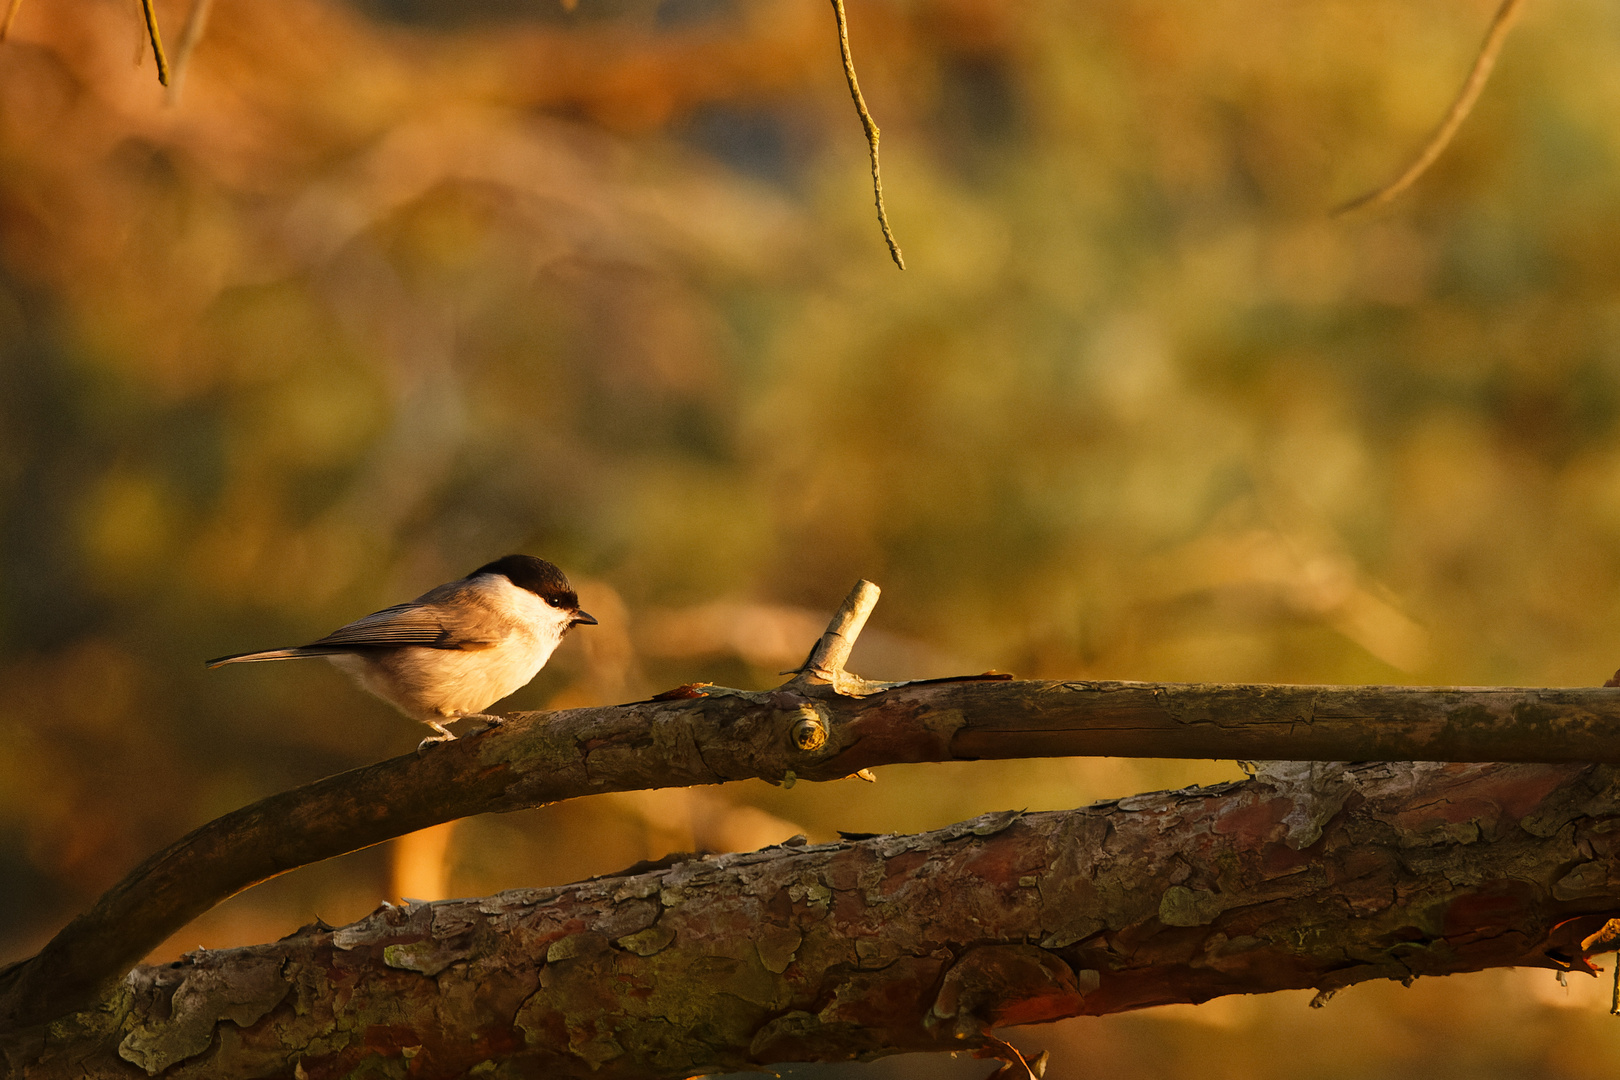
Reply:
x=455 y=650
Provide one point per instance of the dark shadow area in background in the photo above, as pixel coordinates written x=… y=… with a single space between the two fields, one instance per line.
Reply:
x=763 y=143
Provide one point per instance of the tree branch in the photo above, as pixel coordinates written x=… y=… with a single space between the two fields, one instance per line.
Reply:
x=824 y=727
x=1305 y=876
x=538 y=758
x=1472 y=86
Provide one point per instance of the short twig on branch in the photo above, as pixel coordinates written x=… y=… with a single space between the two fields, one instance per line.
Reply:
x=157 y=42
x=830 y=653
x=871 y=131
x=1506 y=15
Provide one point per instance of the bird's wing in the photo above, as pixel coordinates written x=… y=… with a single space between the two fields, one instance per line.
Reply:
x=424 y=625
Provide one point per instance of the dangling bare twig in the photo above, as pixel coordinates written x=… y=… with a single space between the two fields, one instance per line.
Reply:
x=190 y=34
x=871 y=131
x=157 y=42
x=11 y=17
x=1471 y=88
x=1000 y=1049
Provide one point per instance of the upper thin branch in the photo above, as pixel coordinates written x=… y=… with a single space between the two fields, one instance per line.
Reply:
x=1472 y=86
x=871 y=129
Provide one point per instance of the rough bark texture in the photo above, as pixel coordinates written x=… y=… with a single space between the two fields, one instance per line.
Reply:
x=807 y=729
x=1306 y=876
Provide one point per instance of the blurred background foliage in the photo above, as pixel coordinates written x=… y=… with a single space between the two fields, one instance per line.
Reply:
x=399 y=286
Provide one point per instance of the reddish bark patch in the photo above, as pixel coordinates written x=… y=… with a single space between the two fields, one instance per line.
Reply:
x=897 y=871
x=1277 y=860
x=885 y=735
x=446 y=1058
x=1522 y=789
x=1002 y=863
x=996 y=985
x=1442 y=812
x=1257 y=821
x=390 y=1039
x=682 y=692
x=1493 y=908
x=845 y=871
x=892 y=998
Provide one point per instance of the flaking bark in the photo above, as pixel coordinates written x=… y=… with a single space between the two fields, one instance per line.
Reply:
x=1305 y=876
x=713 y=735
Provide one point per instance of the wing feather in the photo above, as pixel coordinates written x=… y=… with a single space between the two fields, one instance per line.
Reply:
x=423 y=625
x=434 y=620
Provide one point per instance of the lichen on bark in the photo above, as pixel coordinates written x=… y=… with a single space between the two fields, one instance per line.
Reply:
x=1296 y=878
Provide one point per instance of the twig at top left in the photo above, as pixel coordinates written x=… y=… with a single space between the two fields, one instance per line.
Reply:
x=871 y=131
x=157 y=41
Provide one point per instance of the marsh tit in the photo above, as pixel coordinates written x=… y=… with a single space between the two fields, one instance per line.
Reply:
x=455 y=650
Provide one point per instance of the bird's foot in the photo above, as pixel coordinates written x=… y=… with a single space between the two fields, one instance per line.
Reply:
x=444 y=735
x=490 y=720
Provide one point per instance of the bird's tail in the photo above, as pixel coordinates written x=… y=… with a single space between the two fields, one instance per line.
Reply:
x=268 y=654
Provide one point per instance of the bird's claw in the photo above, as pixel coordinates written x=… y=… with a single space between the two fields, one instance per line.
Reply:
x=490 y=720
x=444 y=735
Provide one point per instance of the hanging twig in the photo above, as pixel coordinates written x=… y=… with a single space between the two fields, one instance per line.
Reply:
x=1001 y=1049
x=190 y=34
x=1471 y=88
x=11 y=17
x=157 y=42
x=871 y=131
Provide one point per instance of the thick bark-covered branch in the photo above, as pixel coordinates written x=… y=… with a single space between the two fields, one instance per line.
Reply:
x=806 y=729
x=1305 y=876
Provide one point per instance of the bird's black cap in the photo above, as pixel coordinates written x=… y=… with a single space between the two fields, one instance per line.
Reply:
x=536 y=575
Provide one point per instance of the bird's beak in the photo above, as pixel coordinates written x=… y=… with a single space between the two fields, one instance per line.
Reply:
x=583 y=617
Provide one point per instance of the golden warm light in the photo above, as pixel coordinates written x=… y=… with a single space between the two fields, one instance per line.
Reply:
x=379 y=290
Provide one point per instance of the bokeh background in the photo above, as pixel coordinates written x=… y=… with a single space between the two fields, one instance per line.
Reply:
x=394 y=287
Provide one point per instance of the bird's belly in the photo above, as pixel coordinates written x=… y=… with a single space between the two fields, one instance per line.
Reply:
x=429 y=684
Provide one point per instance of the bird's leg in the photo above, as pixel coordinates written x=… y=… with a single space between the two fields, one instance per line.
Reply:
x=444 y=735
x=489 y=719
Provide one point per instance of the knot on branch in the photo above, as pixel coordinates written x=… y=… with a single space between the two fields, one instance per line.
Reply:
x=810 y=732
